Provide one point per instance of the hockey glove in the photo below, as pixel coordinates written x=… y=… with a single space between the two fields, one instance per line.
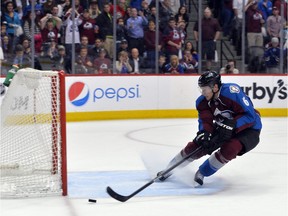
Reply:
x=203 y=139
x=226 y=129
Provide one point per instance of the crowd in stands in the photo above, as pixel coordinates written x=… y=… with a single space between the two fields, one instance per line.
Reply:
x=89 y=29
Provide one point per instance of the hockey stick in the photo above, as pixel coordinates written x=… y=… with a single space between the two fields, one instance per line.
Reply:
x=122 y=198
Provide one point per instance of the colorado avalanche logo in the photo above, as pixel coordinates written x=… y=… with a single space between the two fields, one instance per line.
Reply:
x=78 y=93
x=234 y=89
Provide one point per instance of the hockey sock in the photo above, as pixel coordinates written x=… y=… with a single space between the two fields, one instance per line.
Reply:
x=212 y=164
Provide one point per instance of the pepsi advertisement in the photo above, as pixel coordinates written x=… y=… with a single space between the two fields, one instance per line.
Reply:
x=161 y=93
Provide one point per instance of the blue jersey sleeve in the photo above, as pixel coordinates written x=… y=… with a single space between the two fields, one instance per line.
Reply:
x=242 y=107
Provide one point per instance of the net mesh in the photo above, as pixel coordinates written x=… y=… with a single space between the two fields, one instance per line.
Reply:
x=30 y=153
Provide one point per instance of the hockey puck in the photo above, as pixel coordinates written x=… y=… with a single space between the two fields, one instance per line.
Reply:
x=92 y=200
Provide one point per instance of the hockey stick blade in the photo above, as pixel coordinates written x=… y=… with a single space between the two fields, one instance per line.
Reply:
x=117 y=196
x=122 y=198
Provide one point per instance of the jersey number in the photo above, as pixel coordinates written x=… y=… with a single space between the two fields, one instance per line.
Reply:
x=246 y=102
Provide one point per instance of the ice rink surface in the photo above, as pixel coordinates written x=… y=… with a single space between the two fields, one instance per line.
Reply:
x=126 y=154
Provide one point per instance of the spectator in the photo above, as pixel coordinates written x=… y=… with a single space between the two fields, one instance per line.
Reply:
x=229 y=68
x=88 y=27
x=38 y=9
x=150 y=44
x=210 y=34
x=124 y=3
x=78 y=7
x=128 y=14
x=50 y=49
x=136 y=62
x=97 y=47
x=152 y=15
x=254 y=20
x=48 y=6
x=189 y=62
x=122 y=65
x=238 y=9
x=26 y=46
x=272 y=57
x=227 y=15
x=135 y=27
x=145 y=8
x=70 y=30
x=162 y=63
x=65 y=7
x=174 y=67
x=120 y=9
x=172 y=39
x=121 y=32
x=102 y=64
x=50 y=54
x=50 y=26
x=83 y=63
x=84 y=43
x=61 y=60
x=20 y=58
x=94 y=9
x=237 y=24
x=165 y=13
x=174 y=5
x=55 y=11
x=123 y=47
x=13 y=23
x=4 y=29
x=105 y=23
x=181 y=28
x=182 y=16
x=6 y=47
x=282 y=4
x=189 y=46
x=27 y=26
x=265 y=6
x=275 y=24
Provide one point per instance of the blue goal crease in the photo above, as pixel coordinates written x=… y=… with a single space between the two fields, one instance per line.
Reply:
x=94 y=183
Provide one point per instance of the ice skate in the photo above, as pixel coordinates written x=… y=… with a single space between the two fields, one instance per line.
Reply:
x=198 y=178
x=175 y=160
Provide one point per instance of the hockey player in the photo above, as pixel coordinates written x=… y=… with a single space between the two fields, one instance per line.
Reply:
x=228 y=123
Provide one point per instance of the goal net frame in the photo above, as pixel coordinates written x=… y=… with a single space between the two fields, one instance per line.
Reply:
x=18 y=173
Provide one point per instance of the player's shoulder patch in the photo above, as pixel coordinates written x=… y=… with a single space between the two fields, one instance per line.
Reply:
x=234 y=89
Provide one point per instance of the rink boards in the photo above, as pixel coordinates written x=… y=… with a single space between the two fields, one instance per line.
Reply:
x=129 y=97
x=163 y=96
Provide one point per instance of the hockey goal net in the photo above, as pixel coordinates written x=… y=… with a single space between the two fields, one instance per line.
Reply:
x=33 y=135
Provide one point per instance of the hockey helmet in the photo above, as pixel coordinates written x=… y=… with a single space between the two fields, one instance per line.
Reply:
x=209 y=78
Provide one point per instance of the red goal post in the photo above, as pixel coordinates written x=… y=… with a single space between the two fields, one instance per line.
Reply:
x=33 y=135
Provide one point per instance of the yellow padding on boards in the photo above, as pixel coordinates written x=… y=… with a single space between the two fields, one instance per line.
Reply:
x=29 y=119
x=145 y=114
